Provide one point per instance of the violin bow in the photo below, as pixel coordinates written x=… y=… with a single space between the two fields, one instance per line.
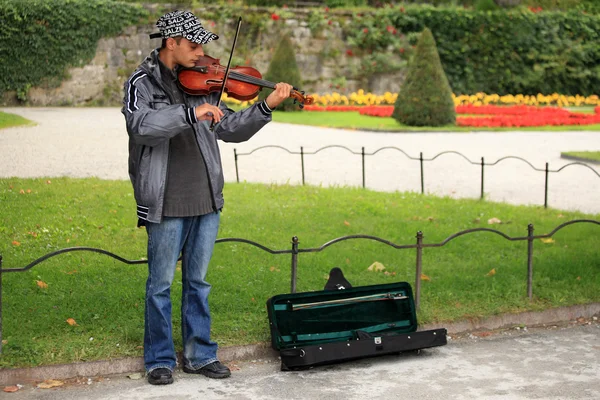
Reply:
x=237 y=31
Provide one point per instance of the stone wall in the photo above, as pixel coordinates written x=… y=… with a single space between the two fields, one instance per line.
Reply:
x=322 y=60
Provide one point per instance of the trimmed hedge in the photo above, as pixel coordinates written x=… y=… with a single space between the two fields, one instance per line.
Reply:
x=283 y=68
x=502 y=52
x=41 y=39
x=425 y=98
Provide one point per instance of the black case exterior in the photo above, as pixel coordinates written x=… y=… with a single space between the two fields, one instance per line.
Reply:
x=329 y=326
x=329 y=353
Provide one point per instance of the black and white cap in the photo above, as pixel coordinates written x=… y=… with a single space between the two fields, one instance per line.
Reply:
x=184 y=24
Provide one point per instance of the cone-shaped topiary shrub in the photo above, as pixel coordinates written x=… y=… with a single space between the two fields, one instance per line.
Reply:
x=283 y=68
x=425 y=98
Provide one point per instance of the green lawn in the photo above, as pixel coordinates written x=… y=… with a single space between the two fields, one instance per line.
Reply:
x=106 y=297
x=9 y=120
x=584 y=155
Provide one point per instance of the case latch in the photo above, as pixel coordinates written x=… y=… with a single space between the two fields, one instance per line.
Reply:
x=378 y=345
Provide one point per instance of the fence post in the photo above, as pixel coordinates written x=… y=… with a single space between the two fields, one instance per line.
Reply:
x=294 y=263
x=482 y=168
x=530 y=261
x=237 y=174
x=363 y=166
x=302 y=162
x=419 y=269
x=0 y=304
x=422 y=177
x=546 y=188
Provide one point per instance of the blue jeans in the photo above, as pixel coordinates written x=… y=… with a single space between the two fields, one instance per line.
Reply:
x=194 y=238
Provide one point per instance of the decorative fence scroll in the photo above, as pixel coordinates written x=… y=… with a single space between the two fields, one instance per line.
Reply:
x=421 y=161
x=296 y=250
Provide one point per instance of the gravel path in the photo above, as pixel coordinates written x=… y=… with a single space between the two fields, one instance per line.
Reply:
x=85 y=142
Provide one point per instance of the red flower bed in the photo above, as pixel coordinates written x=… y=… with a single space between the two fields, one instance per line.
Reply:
x=511 y=110
x=514 y=116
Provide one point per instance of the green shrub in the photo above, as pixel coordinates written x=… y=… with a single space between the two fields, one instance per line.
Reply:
x=486 y=5
x=41 y=38
x=283 y=68
x=425 y=98
x=590 y=6
x=515 y=51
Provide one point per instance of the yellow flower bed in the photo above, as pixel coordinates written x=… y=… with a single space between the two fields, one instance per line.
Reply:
x=360 y=98
x=231 y=100
x=555 y=99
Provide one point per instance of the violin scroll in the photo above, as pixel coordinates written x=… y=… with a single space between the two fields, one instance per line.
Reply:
x=301 y=99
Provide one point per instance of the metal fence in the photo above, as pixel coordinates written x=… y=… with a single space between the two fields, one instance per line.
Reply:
x=295 y=250
x=421 y=161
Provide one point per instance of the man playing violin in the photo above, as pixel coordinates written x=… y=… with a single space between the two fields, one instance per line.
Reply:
x=177 y=176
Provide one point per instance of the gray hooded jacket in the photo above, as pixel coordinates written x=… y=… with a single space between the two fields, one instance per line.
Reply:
x=153 y=118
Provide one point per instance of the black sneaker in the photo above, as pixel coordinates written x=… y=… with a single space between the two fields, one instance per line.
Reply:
x=215 y=370
x=160 y=376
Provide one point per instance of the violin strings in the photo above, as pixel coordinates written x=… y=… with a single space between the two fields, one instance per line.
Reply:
x=252 y=79
x=247 y=78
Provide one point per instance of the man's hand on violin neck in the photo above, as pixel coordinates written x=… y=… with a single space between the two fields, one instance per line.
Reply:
x=276 y=97
x=207 y=112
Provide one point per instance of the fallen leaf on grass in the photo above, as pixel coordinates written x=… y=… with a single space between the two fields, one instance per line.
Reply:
x=10 y=389
x=274 y=269
x=4 y=341
x=389 y=273
x=376 y=266
x=72 y=272
x=135 y=376
x=346 y=223
x=15 y=243
x=494 y=220
x=42 y=284
x=549 y=240
x=425 y=277
x=492 y=272
x=50 y=383
x=71 y=322
x=48 y=182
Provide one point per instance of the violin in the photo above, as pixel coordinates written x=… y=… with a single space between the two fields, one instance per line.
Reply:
x=243 y=83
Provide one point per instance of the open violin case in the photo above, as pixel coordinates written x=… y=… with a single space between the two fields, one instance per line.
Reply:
x=329 y=326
